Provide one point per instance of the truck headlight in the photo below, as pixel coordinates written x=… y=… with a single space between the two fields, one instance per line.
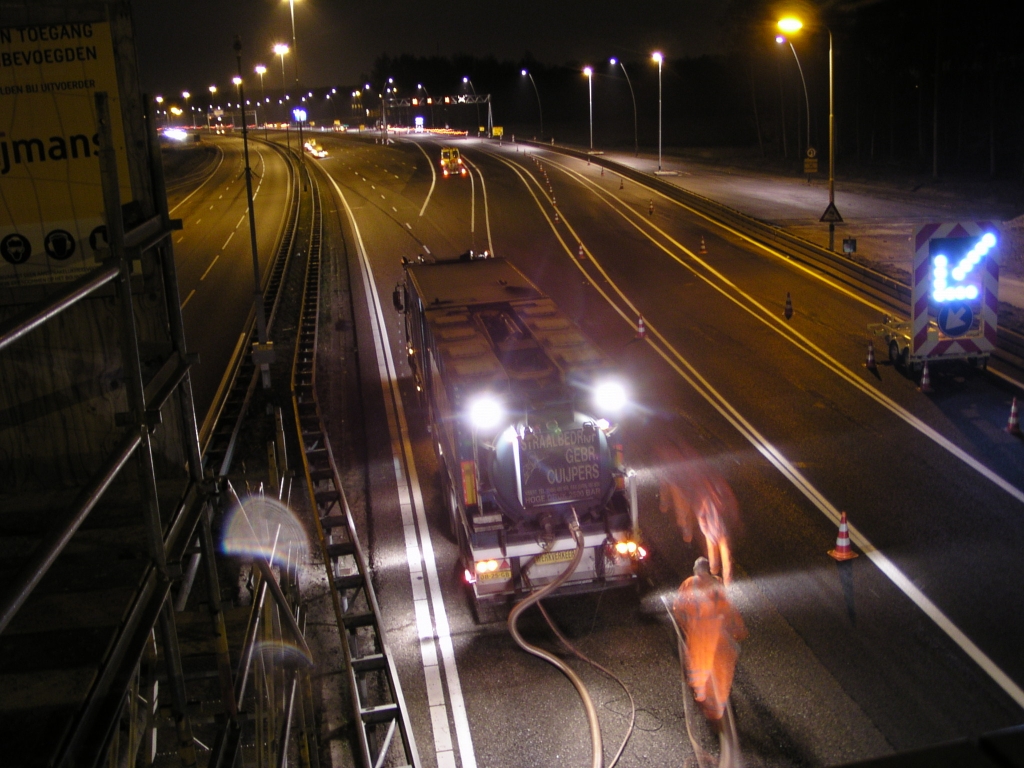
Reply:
x=609 y=397
x=485 y=412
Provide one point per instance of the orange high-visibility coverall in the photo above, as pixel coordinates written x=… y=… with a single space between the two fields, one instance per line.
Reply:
x=713 y=629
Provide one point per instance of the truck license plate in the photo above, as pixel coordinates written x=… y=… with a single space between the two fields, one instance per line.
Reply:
x=556 y=557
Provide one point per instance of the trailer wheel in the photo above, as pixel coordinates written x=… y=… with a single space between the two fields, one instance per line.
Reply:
x=451 y=503
x=897 y=358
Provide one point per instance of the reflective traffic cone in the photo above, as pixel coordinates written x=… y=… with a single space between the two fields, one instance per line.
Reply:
x=842 y=550
x=926 y=380
x=556 y=215
x=602 y=170
x=703 y=248
x=788 y=311
x=641 y=329
x=1013 y=425
x=582 y=255
x=650 y=208
x=620 y=182
x=870 y=364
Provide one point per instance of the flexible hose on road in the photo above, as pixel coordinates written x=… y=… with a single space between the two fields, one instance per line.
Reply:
x=608 y=672
x=597 y=750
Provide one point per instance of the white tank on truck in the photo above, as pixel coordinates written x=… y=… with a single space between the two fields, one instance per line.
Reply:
x=523 y=411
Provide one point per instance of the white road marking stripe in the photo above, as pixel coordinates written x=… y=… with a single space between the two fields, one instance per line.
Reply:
x=227 y=241
x=433 y=176
x=190 y=295
x=402 y=452
x=209 y=267
x=487 y=214
x=702 y=387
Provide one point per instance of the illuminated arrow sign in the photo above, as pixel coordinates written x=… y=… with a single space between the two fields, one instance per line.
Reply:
x=955 y=319
x=942 y=291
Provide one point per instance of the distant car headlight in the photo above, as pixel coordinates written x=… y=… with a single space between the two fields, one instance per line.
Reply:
x=609 y=397
x=485 y=412
x=175 y=133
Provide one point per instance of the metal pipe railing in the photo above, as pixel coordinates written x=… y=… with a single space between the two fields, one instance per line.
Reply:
x=50 y=547
x=27 y=321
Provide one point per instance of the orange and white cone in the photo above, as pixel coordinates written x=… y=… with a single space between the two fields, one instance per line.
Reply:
x=843 y=550
x=703 y=248
x=582 y=255
x=621 y=185
x=926 y=380
x=870 y=364
x=650 y=208
x=641 y=329
x=556 y=215
x=1013 y=425
x=788 y=311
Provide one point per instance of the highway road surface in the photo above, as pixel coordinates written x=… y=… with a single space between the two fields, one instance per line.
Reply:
x=913 y=643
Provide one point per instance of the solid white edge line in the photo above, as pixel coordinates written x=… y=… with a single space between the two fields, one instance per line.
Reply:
x=426 y=550
x=776 y=458
x=433 y=175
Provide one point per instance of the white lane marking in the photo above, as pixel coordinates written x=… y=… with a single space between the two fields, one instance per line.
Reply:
x=221 y=196
x=433 y=176
x=209 y=267
x=382 y=197
x=394 y=209
x=472 y=204
x=373 y=186
x=802 y=343
x=703 y=388
x=211 y=207
x=487 y=214
x=408 y=226
x=207 y=179
x=423 y=551
x=227 y=241
x=244 y=215
x=187 y=298
x=180 y=238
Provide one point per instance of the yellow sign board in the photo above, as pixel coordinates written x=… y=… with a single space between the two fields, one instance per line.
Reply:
x=51 y=200
x=497 y=131
x=810 y=165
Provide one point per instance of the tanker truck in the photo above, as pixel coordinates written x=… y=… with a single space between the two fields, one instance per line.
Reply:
x=522 y=410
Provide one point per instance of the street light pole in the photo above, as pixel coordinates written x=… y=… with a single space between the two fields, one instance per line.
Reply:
x=262 y=351
x=590 y=91
x=213 y=92
x=636 y=140
x=295 y=45
x=807 y=101
x=540 y=110
x=659 y=58
x=186 y=96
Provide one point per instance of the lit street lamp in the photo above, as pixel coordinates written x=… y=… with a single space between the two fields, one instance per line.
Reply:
x=540 y=110
x=659 y=58
x=280 y=49
x=213 y=92
x=781 y=40
x=467 y=81
x=791 y=25
x=160 y=100
x=186 y=96
x=590 y=91
x=295 y=45
x=636 y=141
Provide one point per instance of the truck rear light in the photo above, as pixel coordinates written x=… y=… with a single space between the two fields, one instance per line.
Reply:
x=469 y=576
x=627 y=548
x=486 y=566
x=469 y=482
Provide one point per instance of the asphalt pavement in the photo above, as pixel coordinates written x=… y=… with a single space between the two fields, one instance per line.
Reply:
x=892 y=651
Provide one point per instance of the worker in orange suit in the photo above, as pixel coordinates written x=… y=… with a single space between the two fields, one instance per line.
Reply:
x=713 y=630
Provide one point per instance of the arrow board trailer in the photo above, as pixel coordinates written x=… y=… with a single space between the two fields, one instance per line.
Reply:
x=522 y=408
x=954 y=297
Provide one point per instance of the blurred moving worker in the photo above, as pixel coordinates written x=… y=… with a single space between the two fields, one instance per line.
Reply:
x=712 y=629
x=691 y=489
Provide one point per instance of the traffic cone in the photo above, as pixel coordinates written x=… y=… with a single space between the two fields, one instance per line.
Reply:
x=641 y=329
x=1013 y=425
x=870 y=364
x=703 y=248
x=926 y=380
x=843 y=550
x=650 y=208
x=788 y=311
x=556 y=215
x=582 y=254
x=602 y=170
x=620 y=182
